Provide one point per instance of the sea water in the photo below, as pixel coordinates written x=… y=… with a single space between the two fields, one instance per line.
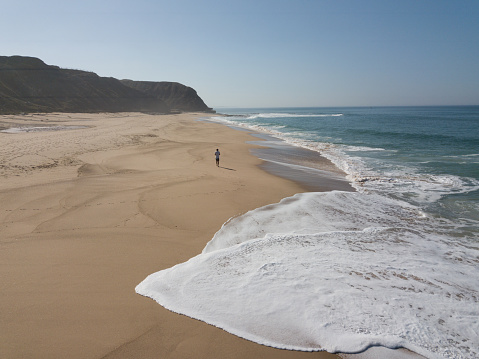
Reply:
x=393 y=264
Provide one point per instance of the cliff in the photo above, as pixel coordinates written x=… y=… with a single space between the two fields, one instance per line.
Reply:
x=177 y=96
x=27 y=84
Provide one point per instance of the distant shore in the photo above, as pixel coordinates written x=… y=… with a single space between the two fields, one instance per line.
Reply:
x=87 y=213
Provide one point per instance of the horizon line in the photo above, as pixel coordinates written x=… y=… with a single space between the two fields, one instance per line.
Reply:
x=341 y=106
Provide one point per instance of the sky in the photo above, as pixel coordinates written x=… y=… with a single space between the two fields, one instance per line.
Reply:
x=263 y=53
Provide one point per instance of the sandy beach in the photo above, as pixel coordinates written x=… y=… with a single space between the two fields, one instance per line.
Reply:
x=87 y=212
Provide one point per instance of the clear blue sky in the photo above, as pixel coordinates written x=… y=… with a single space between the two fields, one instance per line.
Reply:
x=262 y=53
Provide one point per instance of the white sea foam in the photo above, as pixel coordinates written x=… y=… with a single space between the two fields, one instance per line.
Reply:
x=401 y=180
x=472 y=158
x=470 y=155
x=361 y=270
x=283 y=115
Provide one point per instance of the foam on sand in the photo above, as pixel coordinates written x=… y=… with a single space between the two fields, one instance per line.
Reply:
x=335 y=271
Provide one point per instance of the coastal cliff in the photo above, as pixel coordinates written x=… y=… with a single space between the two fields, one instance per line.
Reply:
x=27 y=85
x=178 y=97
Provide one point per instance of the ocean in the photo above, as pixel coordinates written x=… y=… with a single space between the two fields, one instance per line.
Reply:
x=394 y=263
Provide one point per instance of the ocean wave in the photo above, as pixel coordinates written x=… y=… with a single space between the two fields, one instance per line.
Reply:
x=402 y=181
x=358 y=267
x=464 y=156
x=283 y=115
x=395 y=264
x=468 y=159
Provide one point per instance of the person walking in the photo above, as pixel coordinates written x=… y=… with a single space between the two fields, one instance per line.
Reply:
x=217 y=154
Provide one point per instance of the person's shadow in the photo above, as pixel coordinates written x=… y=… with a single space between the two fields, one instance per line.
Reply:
x=226 y=168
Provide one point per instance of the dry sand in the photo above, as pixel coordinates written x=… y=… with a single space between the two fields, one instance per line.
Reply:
x=86 y=214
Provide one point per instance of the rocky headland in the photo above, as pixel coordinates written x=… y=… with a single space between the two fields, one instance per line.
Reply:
x=29 y=85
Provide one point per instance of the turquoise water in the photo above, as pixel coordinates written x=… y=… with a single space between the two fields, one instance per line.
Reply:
x=393 y=264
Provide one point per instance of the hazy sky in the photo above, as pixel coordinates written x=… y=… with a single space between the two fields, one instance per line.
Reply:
x=261 y=53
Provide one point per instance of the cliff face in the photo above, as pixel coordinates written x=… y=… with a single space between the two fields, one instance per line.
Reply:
x=177 y=96
x=27 y=84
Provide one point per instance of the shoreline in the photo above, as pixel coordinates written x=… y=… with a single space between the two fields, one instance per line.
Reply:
x=87 y=214
x=308 y=168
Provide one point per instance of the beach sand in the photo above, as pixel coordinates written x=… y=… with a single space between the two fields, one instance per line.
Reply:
x=87 y=213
